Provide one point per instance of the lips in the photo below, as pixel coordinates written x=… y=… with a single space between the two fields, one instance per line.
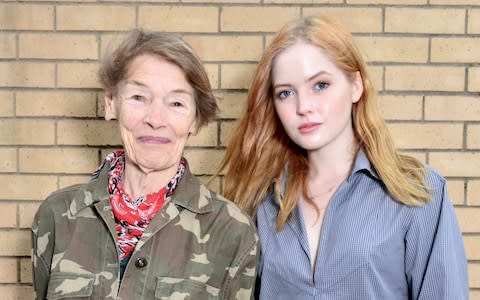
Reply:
x=309 y=127
x=156 y=140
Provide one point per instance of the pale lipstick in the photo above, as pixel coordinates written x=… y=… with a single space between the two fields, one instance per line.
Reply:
x=308 y=127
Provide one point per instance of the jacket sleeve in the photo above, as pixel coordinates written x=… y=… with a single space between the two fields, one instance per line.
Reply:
x=243 y=275
x=435 y=262
x=42 y=233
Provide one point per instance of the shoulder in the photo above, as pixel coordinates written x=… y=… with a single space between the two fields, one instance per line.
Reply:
x=59 y=201
x=228 y=214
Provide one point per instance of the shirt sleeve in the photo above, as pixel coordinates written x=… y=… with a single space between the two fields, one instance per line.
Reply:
x=242 y=283
x=435 y=262
x=42 y=234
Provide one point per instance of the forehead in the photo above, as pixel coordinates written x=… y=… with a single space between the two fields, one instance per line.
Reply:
x=302 y=59
x=154 y=71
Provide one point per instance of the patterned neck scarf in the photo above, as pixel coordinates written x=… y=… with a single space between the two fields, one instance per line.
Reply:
x=132 y=216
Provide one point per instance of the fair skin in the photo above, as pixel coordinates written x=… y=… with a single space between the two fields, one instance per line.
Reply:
x=313 y=99
x=156 y=112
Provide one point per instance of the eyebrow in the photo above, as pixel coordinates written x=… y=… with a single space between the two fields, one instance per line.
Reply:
x=175 y=91
x=308 y=79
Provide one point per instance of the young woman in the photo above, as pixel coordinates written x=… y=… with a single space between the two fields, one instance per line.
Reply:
x=340 y=213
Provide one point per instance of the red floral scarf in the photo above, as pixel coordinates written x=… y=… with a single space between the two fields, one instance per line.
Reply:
x=133 y=216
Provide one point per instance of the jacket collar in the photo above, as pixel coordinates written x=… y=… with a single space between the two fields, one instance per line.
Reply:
x=190 y=194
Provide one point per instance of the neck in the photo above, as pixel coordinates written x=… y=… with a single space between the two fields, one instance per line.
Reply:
x=331 y=163
x=138 y=182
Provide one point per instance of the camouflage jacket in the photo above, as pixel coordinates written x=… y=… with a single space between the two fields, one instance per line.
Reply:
x=199 y=246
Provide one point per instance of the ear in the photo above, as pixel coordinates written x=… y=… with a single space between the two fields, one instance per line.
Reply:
x=110 y=106
x=357 y=87
x=193 y=130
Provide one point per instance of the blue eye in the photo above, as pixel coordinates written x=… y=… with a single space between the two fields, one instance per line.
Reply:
x=321 y=85
x=285 y=94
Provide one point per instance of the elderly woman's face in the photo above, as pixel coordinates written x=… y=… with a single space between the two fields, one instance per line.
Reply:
x=155 y=107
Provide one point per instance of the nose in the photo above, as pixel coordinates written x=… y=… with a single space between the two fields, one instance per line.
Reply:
x=155 y=114
x=304 y=104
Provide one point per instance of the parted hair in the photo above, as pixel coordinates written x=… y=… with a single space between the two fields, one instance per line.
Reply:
x=259 y=150
x=116 y=61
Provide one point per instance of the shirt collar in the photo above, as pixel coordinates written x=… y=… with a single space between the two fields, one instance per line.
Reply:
x=362 y=164
x=189 y=194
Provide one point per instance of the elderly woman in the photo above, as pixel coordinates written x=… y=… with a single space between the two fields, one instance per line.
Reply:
x=144 y=227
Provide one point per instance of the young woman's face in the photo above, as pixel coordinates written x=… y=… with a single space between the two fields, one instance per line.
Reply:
x=313 y=98
x=156 y=112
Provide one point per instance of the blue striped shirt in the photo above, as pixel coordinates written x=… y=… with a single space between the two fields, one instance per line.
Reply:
x=371 y=247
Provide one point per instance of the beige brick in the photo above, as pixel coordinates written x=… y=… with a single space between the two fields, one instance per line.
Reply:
x=26 y=17
x=473 y=192
x=393 y=49
x=109 y=41
x=218 y=1
x=425 y=20
x=26 y=212
x=14 y=243
x=473 y=136
x=474 y=275
x=456 y=164
x=26 y=74
x=193 y=19
x=456 y=2
x=7 y=45
x=468 y=219
x=56 y=103
x=206 y=137
x=473 y=21
x=427 y=135
x=316 y=2
x=355 y=19
x=26 y=187
x=87 y=132
x=419 y=155
x=8 y=216
x=236 y=76
x=220 y=48
x=203 y=162
x=452 y=108
x=231 y=104
x=265 y=19
x=77 y=75
x=455 y=50
x=7 y=109
x=58 y=46
x=26 y=132
x=213 y=75
x=424 y=78
x=474 y=294
x=226 y=130
x=403 y=2
x=401 y=107
x=376 y=77
x=8 y=163
x=456 y=191
x=68 y=180
x=17 y=292
x=94 y=17
x=474 y=79
x=25 y=270
x=472 y=247
x=9 y=270
x=57 y=160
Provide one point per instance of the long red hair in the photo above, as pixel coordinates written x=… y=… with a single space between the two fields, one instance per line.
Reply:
x=259 y=151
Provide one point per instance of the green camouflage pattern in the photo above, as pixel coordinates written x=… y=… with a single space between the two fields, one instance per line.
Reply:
x=199 y=246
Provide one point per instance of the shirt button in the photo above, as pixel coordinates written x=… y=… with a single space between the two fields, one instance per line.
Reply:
x=141 y=262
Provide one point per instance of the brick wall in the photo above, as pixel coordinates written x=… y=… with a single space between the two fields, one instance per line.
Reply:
x=424 y=56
